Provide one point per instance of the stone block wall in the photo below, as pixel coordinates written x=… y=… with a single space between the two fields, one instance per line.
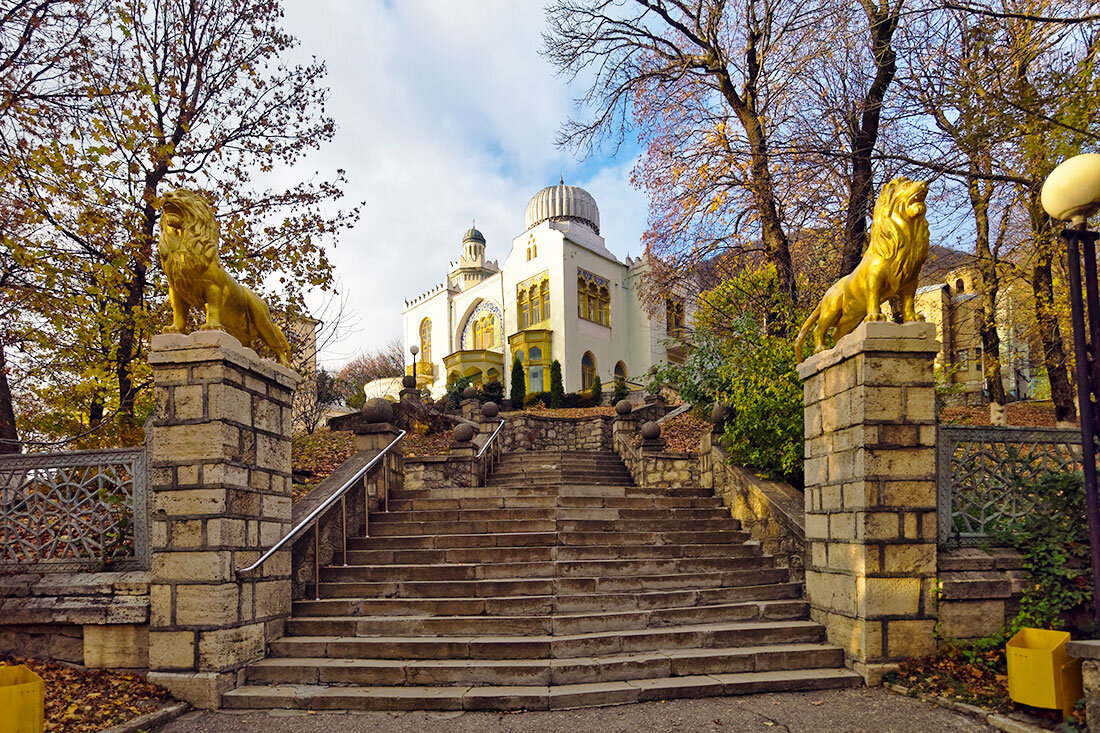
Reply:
x=870 y=498
x=980 y=591
x=219 y=447
x=424 y=472
x=524 y=431
x=770 y=511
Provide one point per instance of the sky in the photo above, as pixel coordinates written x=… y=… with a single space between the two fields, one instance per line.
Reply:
x=446 y=114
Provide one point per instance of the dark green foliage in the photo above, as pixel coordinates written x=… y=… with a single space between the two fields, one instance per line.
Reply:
x=491 y=392
x=541 y=398
x=621 y=391
x=597 y=391
x=356 y=399
x=557 y=390
x=519 y=385
x=453 y=399
x=577 y=399
x=1054 y=539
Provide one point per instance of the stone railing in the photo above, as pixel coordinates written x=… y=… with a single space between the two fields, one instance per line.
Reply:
x=80 y=510
x=984 y=474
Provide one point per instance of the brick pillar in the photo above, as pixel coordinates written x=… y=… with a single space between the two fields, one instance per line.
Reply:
x=871 y=494
x=220 y=493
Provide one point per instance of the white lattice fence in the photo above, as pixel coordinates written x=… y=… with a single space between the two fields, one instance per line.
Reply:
x=81 y=510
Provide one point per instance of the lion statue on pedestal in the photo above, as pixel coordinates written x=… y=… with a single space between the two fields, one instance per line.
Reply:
x=188 y=252
x=888 y=270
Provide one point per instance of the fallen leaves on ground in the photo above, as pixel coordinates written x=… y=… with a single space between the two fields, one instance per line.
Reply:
x=1029 y=413
x=314 y=457
x=86 y=700
x=431 y=444
x=538 y=409
x=682 y=434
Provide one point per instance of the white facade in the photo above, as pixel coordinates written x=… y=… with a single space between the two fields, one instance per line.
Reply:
x=484 y=315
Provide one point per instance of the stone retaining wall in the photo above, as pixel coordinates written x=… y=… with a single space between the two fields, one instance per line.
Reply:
x=525 y=431
x=423 y=472
x=980 y=591
x=93 y=619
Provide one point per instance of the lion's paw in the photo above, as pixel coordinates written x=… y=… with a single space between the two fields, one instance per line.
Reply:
x=875 y=317
x=171 y=329
x=211 y=327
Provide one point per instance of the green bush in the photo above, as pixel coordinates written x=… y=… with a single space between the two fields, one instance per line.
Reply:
x=1054 y=540
x=356 y=399
x=453 y=399
x=597 y=391
x=542 y=398
x=557 y=390
x=491 y=392
x=519 y=385
x=621 y=391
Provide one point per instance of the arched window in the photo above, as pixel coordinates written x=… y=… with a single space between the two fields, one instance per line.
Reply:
x=588 y=370
x=674 y=317
x=544 y=288
x=582 y=298
x=605 y=306
x=522 y=307
x=490 y=336
x=528 y=254
x=426 y=340
x=593 y=300
x=960 y=286
x=534 y=250
x=536 y=304
x=620 y=371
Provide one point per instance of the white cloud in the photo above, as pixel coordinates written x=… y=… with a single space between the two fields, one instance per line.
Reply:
x=446 y=113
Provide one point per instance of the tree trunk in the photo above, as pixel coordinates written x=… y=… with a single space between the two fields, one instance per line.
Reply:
x=980 y=196
x=9 y=436
x=864 y=134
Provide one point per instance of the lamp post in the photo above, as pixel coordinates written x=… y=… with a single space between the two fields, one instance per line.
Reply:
x=1072 y=192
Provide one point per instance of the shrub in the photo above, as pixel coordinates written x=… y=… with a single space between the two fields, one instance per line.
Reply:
x=571 y=400
x=597 y=391
x=356 y=399
x=453 y=398
x=491 y=392
x=621 y=391
x=1054 y=540
x=519 y=385
x=541 y=398
x=557 y=390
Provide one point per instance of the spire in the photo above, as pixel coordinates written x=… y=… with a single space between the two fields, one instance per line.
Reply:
x=561 y=179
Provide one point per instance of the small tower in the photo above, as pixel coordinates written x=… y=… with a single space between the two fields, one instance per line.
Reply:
x=473 y=248
x=471 y=268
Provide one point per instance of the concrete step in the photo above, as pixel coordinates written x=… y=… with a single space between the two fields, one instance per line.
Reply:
x=580 y=670
x=448 y=541
x=548 y=512
x=545 y=553
x=602 y=569
x=548 y=500
x=534 y=625
x=543 y=604
x=536 y=646
x=491 y=588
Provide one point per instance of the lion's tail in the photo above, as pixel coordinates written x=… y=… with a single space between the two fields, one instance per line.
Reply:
x=810 y=323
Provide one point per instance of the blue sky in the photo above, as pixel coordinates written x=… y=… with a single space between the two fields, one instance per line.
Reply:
x=446 y=113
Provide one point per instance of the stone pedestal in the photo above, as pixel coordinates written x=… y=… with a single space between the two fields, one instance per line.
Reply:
x=870 y=493
x=219 y=446
x=470 y=408
x=624 y=427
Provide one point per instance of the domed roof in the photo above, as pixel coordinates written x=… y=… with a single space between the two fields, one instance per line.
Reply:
x=473 y=235
x=562 y=203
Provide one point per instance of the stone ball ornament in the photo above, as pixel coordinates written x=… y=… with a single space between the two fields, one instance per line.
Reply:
x=623 y=408
x=490 y=409
x=469 y=393
x=408 y=381
x=1072 y=190
x=651 y=431
x=464 y=433
x=377 y=409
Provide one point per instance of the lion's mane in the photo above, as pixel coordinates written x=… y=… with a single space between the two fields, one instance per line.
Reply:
x=899 y=229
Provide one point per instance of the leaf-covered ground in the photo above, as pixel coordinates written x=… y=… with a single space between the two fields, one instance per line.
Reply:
x=83 y=701
x=1031 y=413
x=681 y=434
x=314 y=457
x=430 y=444
x=538 y=409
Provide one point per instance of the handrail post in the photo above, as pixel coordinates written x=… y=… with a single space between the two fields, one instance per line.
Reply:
x=344 y=524
x=317 y=561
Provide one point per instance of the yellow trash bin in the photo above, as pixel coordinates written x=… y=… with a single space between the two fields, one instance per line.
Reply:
x=1040 y=673
x=22 y=700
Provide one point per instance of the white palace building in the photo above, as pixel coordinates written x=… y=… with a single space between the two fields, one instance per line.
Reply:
x=560 y=294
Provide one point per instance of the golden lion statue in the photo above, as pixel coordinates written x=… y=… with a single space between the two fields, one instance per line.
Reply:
x=188 y=251
x=888 y=270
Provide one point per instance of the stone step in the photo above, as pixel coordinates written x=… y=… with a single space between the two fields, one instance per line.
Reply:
x=490 y=588
x=594 y=644
x=528 y=489
x=534 y=625
x=511 y=526
x=547 y=512
x=547 y=500
x=542 y=539
x=580 y=670
x=546 y=604
x=545 y=569
x=488 y=555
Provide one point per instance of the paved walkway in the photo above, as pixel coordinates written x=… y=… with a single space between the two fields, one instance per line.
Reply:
x=834 y=711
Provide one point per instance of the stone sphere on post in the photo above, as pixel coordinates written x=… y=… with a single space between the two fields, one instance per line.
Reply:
x=623 y=408
x=470 y=392
x=489 y=409
x=377 y=409
x=408 y=381
x=464 y=433
x=651 y=431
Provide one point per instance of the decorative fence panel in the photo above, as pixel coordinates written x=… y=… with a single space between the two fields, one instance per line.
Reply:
x=984 y=475
x=81 y=510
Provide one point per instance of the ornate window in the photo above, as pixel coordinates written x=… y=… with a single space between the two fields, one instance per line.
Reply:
x=588 y=370
x=593 y=298
x=426 y=340
x=533 y=300
x=674 y=317
x=620 y=371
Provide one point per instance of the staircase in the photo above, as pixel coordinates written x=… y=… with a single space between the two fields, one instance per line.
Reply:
x=558 y=585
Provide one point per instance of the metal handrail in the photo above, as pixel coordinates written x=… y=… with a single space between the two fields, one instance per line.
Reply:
x=314 y=515
x=492 y=455
x=490 y=440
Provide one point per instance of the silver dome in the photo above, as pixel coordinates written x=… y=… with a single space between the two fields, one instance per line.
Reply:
x=473 y=235
x=562 y=202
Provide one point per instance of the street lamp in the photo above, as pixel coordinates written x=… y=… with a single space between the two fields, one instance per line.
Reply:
x=1072 y=192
